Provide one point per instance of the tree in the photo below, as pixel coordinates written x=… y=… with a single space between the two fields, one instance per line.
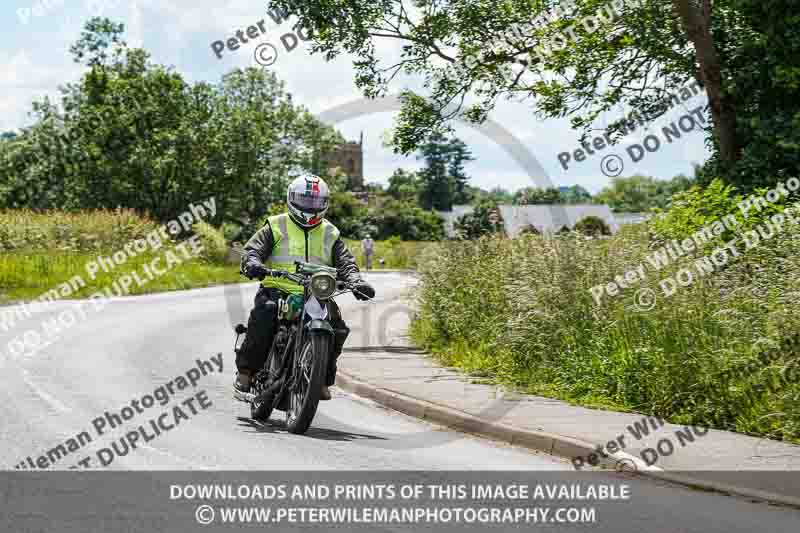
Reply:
x=136 y=134
x=581 y=58
x=638 y=194
x=405 y=220
x=437 y=186
x=484 y=220
x=459 y=154
x=575 y=195
x=496 y=195
x=562 y=195
x=537 y=196
x=349 y=215
x=374 y=188
x=404 y=185
x=499 y=195
x=443 y=181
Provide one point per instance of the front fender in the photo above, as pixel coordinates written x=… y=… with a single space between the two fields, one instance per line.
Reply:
x=321 y=326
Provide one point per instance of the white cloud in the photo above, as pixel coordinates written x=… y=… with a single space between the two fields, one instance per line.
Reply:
x=23 y=80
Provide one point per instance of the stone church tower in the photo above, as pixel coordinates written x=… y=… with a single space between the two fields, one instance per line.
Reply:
x=349 y=157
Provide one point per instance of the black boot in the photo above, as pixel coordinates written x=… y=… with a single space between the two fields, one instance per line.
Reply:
x=251 y=355
x=340 y=336
x=242 y=383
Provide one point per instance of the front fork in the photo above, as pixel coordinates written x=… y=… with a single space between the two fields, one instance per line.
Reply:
x=327 y=340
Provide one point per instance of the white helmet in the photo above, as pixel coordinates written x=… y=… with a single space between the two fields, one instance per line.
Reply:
x=308 y=198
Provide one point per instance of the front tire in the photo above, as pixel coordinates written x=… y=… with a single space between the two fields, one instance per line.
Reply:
x=310 y=369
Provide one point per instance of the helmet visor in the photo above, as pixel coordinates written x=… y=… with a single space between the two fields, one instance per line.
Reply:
x=309 y=202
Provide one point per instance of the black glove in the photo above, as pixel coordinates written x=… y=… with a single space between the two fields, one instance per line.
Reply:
x=363 y=291
x=255 y=270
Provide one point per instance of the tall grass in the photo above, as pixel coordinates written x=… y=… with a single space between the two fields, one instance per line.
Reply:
x=41 y=250
x=522 y=311
x=65 y=231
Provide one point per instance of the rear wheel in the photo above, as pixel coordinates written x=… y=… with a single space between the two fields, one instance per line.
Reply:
x=310 y=370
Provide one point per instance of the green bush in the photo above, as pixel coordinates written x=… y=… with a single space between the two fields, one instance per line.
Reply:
x=530 y=229
x=592 y=226
x=215 y=248
x=406 y=221
x=348 y=214
x=479 y=224
x=691 y=210
x=391 y=218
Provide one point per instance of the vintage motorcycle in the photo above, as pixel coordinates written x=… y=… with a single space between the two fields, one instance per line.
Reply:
x=295 y=369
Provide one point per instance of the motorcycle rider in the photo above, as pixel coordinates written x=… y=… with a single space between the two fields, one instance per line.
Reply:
x=301 y=234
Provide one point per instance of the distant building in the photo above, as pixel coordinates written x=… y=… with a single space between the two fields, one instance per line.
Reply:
x=349 y=157
x=545 y=218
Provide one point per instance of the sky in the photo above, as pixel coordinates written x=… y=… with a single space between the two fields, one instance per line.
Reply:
x=35 y=36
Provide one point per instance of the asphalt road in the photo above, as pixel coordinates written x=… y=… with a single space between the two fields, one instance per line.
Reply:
x=135 y=345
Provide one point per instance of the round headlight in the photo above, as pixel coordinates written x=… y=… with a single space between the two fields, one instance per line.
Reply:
x=323 y=285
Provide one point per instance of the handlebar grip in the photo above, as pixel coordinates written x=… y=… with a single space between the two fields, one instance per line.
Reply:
x=267 y=274
x=260 y=274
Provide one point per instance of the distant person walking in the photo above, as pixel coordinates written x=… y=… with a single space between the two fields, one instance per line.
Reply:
x=368 y=247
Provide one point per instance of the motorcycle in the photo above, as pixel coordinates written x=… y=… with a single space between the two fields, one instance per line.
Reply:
x=295 y=369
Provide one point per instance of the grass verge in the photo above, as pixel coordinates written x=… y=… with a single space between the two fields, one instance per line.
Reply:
x=723 y=351
x=39 y=251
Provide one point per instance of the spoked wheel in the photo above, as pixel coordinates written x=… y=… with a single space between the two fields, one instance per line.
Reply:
x=310 y=369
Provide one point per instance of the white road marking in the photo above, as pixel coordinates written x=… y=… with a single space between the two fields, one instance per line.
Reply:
x=54 y=403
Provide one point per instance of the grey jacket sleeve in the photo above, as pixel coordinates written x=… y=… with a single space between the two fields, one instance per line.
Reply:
x=258 y=248
x=345 y=263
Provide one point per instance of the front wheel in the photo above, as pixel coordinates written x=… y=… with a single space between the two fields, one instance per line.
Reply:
x=310 y=371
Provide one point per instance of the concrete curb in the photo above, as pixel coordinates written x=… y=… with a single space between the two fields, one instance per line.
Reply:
x=550 y=443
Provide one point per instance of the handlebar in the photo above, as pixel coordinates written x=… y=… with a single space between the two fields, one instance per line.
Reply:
x=304 y=279
x=298 y=278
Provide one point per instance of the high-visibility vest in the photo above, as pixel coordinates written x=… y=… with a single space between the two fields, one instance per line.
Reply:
x=292 y=243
